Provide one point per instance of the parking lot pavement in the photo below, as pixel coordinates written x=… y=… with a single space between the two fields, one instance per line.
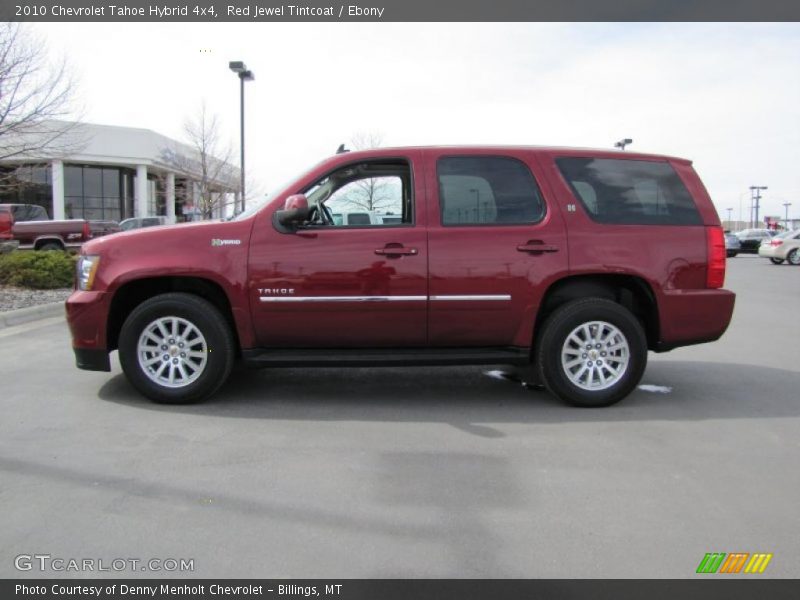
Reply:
x=440 y=472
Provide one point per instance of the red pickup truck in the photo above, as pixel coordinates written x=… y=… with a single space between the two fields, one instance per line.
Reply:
x=571 y=263
x=29 y=225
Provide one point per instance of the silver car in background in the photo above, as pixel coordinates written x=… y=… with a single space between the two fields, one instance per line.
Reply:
x=783 y=247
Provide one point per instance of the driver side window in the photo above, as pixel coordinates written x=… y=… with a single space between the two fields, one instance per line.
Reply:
x=370 y=194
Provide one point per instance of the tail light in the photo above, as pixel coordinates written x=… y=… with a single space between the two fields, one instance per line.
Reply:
x=715 y=245
x=6 y=222
x=87 y=233
x=775 y=242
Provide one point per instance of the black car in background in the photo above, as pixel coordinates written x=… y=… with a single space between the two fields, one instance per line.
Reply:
x=750 y=239
x=732 y=244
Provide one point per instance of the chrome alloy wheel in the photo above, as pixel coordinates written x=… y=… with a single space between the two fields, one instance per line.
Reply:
x=172 y=352
x=595 y=355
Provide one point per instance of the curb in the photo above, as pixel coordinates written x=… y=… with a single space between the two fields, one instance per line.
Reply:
x=30 y=313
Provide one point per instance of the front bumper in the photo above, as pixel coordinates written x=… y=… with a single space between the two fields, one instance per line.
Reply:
x=87 y=315
x=92 y=360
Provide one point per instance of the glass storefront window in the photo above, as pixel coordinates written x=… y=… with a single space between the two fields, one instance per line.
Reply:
x=111 y=183
x=92 y=181
x=95 y=193
x=73 y=181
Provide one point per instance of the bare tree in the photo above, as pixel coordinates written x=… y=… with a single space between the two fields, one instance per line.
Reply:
x=366 y=140
x=34 y=95
x=205 y=161
x=371 y=193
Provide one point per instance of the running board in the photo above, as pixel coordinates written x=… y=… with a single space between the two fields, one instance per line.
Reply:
x=384 y=357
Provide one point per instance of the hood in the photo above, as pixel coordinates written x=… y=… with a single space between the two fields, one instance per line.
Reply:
x=195 y=235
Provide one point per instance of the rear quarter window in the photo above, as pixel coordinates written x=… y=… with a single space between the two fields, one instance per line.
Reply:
x=629 y=192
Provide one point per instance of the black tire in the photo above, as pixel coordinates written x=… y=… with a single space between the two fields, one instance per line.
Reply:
x=51 y=246
x=776 y=261
x=732 y=254
x=794 y=257
x=562 y=323
x=205 y=317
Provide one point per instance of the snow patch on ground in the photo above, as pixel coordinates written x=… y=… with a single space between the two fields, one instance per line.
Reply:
x=497 y=375
x=657 y=389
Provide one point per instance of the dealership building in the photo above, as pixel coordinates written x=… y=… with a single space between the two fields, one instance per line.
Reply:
x=107 y=172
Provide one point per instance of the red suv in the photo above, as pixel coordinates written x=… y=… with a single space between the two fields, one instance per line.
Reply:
x=571 y=262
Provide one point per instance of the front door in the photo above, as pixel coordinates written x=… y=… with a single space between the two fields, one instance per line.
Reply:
x=347 y=279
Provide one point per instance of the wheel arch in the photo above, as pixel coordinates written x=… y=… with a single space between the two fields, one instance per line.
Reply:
x=43 y=241
x=132 y=293
x=630 y=291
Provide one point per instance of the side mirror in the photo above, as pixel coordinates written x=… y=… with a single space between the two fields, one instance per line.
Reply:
x=295 y=211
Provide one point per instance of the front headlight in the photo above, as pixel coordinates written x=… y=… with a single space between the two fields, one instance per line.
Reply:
x=87 y=268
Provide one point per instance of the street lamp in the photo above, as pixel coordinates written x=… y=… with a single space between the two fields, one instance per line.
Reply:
x=756 y=190
x=786 y=206
x=730 y=210
x=240 y=69
x=622 y=143
x=477 y=203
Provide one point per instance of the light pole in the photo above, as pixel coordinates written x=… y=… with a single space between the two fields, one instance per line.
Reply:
x=786 y=206
x=477 y=203
x=730 y=210
x=240 y=69
x=622 y=143
x=756 y=191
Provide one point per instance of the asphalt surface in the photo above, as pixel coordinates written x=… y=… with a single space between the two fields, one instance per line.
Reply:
x=440 y=472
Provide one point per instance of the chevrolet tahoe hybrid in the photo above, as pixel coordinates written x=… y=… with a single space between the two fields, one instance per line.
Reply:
x=569 y=263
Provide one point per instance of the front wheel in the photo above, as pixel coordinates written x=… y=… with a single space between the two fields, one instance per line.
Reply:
x=777 y=261
x=794 y=257
x=592 y=352
x=176 y=348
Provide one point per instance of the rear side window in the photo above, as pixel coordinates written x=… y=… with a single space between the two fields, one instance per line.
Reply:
x=487 y=190
x=630 y=192
x=29 y=212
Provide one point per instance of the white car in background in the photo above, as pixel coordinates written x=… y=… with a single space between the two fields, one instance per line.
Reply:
x=139 y=222
x=365 y=217
x=783 y=247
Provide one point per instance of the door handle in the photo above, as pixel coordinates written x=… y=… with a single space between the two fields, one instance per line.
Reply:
x=398 y=250
x=536 y=247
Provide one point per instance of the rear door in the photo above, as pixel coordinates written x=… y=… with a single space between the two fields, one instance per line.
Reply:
x=494 y=245
x=337 y=285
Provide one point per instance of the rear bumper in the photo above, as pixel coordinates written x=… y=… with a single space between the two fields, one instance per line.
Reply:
x=690 y=317
x=87 y=315
x=769 y=251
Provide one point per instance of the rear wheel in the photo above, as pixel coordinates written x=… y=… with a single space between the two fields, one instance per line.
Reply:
x=592 y=352
x=777 y=261
x=794 y=257
x=50 y=246
x=176 y=348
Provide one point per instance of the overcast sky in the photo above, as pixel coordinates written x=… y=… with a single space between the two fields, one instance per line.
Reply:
x=726 y=96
